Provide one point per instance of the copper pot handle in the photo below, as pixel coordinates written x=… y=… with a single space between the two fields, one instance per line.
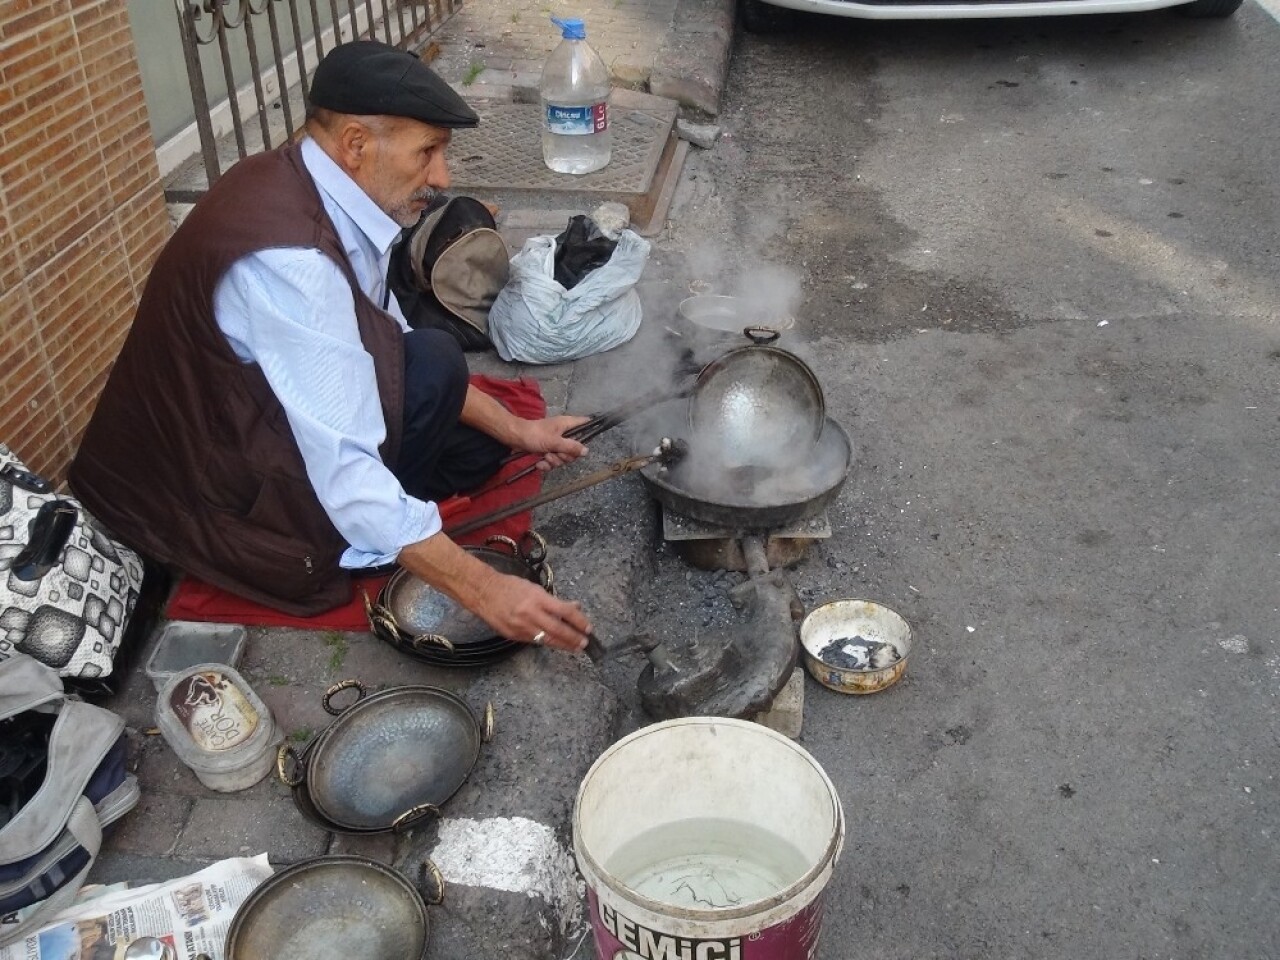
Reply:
x=337 y=688
x=380 y=616
x=761 y=334
x=535 y=555
x=506 y=542
x=436 y=897
x=432 y=640
x=388 y=625
x=289 y=766
x=368 y=604
x=413 y=815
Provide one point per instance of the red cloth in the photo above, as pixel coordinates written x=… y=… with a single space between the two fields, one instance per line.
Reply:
x=196 y=600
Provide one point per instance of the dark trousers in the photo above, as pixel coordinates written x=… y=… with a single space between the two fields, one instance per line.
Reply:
x=438 y=455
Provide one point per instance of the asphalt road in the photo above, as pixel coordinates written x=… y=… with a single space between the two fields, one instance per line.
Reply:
x=1035 y=266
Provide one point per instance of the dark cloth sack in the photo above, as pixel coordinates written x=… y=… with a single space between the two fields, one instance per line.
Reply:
x=448 y=269
x=63 y=779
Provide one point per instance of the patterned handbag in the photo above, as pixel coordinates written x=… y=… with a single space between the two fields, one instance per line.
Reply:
x=67 y=589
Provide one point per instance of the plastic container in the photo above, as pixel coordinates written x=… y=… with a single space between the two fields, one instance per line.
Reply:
x=217 y=726
x=575 y=104
x=707 y=837
x=184 y=643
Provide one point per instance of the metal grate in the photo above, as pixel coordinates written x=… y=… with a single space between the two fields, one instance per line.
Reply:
x=505 y=152
x=282 y=41
x=677 y=527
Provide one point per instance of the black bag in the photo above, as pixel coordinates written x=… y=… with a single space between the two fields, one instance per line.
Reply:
x=449 y=268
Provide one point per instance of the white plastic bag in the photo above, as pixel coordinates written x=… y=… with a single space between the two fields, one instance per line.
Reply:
x=536 y=320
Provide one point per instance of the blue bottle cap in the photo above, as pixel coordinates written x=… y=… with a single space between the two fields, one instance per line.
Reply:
x=571 y=29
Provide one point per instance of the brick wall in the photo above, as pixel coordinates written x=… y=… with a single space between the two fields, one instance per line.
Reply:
x=82 y=215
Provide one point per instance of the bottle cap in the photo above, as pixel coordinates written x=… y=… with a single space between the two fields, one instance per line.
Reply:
x=571 y=29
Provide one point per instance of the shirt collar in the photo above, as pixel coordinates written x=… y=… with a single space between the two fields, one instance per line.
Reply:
x=380 y=230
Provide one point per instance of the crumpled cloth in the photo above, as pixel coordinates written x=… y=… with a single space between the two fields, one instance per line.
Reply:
x=580 y=249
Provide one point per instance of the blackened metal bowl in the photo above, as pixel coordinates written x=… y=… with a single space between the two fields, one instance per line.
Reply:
x=854 y=620
x=331 y=908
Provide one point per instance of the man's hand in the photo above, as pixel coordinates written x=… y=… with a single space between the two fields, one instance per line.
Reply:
x=516 y=608
x=528 y=436
x=547 y=437
x=521 y=610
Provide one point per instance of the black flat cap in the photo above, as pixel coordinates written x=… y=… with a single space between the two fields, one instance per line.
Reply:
x=366 y=77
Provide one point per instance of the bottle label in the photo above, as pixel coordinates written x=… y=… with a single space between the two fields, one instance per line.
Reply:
x=578 y=121
x=213 y=711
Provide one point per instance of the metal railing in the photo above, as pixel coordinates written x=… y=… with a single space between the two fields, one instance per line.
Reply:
x=298 y=34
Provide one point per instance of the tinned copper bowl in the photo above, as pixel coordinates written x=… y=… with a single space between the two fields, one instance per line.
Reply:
x=854 y=621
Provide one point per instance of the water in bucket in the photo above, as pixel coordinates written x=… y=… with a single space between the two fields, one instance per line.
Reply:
x=706 y=838
x=708 y=863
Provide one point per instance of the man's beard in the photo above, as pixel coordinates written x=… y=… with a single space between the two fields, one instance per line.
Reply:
x=404 y=212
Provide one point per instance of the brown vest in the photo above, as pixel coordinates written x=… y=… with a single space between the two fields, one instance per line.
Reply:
x=189 y=457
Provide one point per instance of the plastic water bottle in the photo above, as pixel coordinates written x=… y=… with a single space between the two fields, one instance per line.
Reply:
x=575 y=104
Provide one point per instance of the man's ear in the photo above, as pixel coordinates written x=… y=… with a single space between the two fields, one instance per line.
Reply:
x=354 y=141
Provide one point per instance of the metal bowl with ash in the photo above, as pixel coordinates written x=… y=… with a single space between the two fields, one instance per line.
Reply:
x=715 y=318
x=855 y=646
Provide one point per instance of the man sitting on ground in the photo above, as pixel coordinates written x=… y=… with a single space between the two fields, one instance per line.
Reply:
x=272 y=423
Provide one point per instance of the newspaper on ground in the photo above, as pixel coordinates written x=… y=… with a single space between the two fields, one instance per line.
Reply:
x=192 y=914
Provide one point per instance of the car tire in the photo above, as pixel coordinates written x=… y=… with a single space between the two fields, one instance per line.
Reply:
x=760 y=17
x=1206 y=9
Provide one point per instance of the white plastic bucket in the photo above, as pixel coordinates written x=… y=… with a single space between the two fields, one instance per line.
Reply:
x=707 y=770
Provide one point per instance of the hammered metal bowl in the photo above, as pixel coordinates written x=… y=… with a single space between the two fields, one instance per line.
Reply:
x=757 y=407
x=331 y=908
x=421 y=609
x=420 y=621
x=389 y=759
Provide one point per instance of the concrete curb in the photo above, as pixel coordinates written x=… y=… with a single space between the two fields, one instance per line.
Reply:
x=693 y=63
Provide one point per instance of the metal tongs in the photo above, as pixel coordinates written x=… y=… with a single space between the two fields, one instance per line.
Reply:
x=668 y=452
x=596 y=425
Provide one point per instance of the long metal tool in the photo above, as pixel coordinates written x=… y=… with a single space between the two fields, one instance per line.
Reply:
x=669 y=452
x=586 y=432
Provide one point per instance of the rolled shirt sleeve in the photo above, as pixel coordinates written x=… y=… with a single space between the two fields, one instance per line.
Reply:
x=291 y=311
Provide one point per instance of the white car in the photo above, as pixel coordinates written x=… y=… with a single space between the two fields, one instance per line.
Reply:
x=765 y=16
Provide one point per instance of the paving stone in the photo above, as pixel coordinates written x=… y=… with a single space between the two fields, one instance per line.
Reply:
x=555 y=391
x=259 y=820
x=158 y=768
x=539 y=221
x=492 y=365
x=786 y=713
x=693 y=63
x=114 y=867
x=377 y=846
x=629 y=73
x=702 y=135
x=152 y=828
x=490 y=91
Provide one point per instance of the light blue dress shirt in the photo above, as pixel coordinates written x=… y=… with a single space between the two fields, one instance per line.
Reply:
x=291 y=311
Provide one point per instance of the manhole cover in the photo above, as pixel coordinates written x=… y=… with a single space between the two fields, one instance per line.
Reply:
x=505 y=152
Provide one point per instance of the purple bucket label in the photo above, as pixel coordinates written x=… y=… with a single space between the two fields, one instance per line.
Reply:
x=618 y=937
